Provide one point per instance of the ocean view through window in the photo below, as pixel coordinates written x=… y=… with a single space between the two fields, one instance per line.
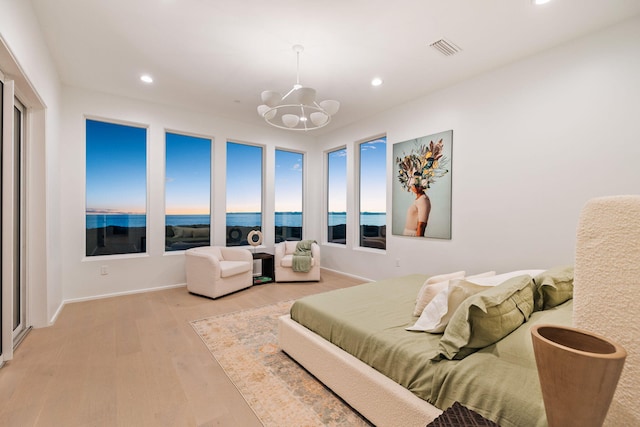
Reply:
x=373 y=190
x=244 y=192
x=116 y=188
x=288 y=195
x=187 y=191
x=337 y=196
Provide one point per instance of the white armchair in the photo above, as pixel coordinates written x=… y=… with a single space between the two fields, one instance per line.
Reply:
x=214 y=271
x=283 y=263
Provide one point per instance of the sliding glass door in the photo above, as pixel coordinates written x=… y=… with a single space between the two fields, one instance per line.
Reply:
x=13 y=315
x=17 y=208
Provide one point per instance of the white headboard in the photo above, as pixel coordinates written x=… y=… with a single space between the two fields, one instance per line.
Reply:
x=607 y=290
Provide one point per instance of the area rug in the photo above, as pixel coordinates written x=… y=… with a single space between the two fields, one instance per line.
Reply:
x=278 y=390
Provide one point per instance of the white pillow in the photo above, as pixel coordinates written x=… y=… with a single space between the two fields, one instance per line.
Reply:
x=425 y=297
x=496 y=280
x=480 y=275
x=430 y=292
x=439 y=311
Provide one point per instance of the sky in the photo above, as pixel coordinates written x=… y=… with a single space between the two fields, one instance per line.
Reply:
x=188 y=175
x=116 y=174
x=116 y=157
x=117 y=169
x=244 y=177
x=373 y=175
x=288 y=188
x=337 y=181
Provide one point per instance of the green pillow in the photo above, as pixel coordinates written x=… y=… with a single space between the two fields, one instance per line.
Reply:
x=553 y=287
x=487 y=317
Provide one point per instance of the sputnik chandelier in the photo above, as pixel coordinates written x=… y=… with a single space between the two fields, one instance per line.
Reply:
x=298 y=109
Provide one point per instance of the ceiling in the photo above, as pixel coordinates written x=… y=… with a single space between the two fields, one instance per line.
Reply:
x=217 y=56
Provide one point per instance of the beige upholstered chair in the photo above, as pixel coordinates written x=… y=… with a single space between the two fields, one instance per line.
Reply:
x=283 y=262
x=214 y=271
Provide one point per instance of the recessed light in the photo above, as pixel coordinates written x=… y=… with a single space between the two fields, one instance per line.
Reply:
x=146 y=78
x=376 y=82
x=539 y=2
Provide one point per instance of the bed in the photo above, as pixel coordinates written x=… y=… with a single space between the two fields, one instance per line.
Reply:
x=410 y=384
x=374 y=333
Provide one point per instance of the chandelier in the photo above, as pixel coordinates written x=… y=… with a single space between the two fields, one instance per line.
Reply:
x=298 y=109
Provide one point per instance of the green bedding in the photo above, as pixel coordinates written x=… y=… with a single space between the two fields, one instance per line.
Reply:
x=368 y=321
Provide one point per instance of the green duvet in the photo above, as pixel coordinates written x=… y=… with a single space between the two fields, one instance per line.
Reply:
x=368 y=321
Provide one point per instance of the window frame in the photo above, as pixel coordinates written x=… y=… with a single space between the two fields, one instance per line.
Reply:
x=211 y=182
x=302 y=189
x=260 y=227
x=381 y=237
x=327 y=181
x=147 y=151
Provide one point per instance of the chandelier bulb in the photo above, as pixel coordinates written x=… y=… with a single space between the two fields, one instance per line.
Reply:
x=290 y=120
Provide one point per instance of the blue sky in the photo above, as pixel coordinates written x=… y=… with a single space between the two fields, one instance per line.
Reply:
x=373 y=178
x=188 y=179
x=116 y=174
x=244 y=178
x=337 y=181
x=116 y=158
x=288 y=188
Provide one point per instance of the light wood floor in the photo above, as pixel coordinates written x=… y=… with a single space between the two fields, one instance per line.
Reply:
x=134 y=361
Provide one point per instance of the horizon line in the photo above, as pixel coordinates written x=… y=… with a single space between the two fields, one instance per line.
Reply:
x=205 y=214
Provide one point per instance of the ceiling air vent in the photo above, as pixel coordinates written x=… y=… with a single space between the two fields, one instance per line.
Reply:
x=445 y=47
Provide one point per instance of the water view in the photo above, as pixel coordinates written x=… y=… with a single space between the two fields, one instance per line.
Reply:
x=104 y=228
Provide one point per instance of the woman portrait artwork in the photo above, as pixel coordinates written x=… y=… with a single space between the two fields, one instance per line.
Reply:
x=418 y=212
x=418 y=170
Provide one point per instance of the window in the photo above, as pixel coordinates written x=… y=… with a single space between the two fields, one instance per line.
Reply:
x=244 y=191
x=373 y=190
x=337 y=196
x=288 y=195
x=187 y=192
x=116 y=168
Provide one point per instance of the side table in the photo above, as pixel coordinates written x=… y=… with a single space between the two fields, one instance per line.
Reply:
x=267 y=274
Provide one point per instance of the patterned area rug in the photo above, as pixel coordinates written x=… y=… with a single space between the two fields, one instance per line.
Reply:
x=280 y=392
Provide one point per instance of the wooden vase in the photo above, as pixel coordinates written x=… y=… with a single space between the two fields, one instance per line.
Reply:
x=578 y=373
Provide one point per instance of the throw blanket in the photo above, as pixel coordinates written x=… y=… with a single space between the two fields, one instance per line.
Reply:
x=302 y=256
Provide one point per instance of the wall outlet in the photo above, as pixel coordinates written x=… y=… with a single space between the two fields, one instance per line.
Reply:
x=104 y=270
x=397 y=262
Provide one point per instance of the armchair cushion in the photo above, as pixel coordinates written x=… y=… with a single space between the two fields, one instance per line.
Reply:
x=231 y=268
x=287 y=261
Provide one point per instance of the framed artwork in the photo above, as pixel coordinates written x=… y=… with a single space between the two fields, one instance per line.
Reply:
x=421 y=189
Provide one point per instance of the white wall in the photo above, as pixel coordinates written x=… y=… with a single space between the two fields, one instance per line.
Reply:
x=28 y=63
x=532 y=142
x=131 y=273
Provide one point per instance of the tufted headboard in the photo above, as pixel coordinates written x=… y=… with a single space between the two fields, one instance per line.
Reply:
x=607 y=290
